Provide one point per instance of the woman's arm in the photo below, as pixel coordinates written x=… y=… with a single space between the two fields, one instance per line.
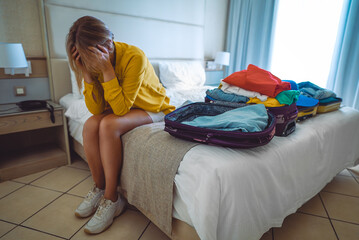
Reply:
x=94 y=97
x=121 y=98
x=93 y=91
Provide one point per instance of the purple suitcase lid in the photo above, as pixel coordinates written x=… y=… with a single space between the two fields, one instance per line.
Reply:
x=239 y=139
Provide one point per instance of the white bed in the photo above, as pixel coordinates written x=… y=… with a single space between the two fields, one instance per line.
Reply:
x=222 y=193
x=239 y=194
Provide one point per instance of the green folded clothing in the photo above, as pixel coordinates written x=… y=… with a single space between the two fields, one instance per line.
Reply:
x=288 y=97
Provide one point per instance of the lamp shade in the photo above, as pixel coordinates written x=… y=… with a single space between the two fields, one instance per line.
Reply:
x=222 y=58
x=12 y=56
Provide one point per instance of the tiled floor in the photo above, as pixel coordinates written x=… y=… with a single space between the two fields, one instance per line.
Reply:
x=41 y=206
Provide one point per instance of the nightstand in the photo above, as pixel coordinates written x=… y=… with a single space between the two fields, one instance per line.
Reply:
x=30 y=142
x=214 y=77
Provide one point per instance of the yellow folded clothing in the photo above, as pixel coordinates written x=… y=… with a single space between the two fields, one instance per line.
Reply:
x=270 y=102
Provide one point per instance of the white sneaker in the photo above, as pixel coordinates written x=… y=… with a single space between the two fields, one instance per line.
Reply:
x=90 y=203
x=104 y=215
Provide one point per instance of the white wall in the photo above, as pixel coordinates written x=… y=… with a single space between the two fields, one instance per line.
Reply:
x=20 y=22
x=215 y=27
x=195 y=28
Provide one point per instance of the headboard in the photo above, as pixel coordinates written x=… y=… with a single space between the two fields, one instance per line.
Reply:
x=164 y=30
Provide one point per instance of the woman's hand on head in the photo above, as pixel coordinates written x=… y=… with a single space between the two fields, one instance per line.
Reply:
x=76 y=56
x=103 y=62
x=103 y=58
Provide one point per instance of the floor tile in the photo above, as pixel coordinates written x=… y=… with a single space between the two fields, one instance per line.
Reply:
x=267 y=235
x=181 y=230
x=28 y=234
x=303 y=226
x=343 y=185
x=128 y=226
x=78 y=162
x=5 y=227
x=346 y=231
x=341 y=207
x=58 y=218
x=62 y=179
x=314 y=206
x=355 y=171
x=154 y=233
x=32 y=177
x=21 y=204
x=82 y=188
x=8 y=187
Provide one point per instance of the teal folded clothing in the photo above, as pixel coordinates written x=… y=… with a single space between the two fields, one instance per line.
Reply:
x=311 y=90
x=218 y=94
x=288 y=97
x=329 y=100
x=251 y=118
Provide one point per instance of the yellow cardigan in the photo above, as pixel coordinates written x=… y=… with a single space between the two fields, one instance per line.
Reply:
x=136 y=86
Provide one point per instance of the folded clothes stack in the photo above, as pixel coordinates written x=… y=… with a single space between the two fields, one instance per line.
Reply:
x=314 y=99
x=254 y=85
x=287 y=100
x=327 y=100
x=258 y=86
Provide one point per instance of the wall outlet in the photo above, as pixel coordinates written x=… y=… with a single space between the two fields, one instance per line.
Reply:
x=20 y=91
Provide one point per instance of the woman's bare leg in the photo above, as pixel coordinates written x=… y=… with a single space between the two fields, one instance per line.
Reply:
x=111 y=129
x=92 y=148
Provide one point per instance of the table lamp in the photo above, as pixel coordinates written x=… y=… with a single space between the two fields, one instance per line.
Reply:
x=222 y=58
x=12 y=57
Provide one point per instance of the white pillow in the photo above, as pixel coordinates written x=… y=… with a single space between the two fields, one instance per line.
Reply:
x=182 y=74
x=75 y=87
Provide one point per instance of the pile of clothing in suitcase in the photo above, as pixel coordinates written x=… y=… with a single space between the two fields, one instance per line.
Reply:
x=282 y=97
x=255 y=100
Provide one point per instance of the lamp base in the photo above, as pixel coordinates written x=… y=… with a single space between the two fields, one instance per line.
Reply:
x=27 y=71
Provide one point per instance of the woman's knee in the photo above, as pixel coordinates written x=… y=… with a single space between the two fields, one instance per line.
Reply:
x=110 y=126
x=91 y=126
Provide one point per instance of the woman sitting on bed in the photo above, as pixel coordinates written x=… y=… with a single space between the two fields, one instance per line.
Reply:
x=122 y=92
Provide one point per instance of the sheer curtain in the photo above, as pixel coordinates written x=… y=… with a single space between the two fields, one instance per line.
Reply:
x=304 y=39
x=344 y=74
x=250 y=31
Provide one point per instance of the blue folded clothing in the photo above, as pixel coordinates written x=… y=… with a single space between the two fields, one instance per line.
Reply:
x=251 y=118
x=303 y=100
x=218 y=94
x=311 y=90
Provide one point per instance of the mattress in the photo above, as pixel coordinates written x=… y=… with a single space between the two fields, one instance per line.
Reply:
x=229 y=193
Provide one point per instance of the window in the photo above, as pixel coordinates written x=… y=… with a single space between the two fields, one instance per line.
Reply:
x=304 y=39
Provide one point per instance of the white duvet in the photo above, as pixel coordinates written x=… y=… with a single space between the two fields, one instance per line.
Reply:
x=241 y=193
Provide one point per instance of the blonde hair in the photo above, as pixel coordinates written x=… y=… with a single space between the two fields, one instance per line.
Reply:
x=86 y=32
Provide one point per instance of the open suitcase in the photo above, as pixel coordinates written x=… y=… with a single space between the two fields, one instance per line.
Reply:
x=307 y=107
x=306 y=112
x=285 y=116
x=329 y=104
x=285 y=119
x=236 y=139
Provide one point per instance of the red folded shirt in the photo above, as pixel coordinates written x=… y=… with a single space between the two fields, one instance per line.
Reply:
x=258 y=80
